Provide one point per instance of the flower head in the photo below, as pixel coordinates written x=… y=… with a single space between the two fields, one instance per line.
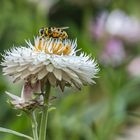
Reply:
x=51 y=59
x=30 y=97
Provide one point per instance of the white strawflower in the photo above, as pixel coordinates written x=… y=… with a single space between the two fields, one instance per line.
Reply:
x=52 y=59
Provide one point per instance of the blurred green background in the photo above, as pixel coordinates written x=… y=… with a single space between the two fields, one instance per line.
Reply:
x=107 y=29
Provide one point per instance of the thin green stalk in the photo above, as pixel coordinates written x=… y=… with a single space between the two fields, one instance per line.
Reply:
x=44 y=117
x=34 y=126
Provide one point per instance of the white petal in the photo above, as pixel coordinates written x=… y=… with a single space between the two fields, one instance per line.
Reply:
x=12 y=64
x=70 y=73
x=62 y=85
x=21 y=68
x=52 y=79
x=9 y=70
x=37 y=70
x=66 y=77
x=14 y=97
x=34 y=67
x=76 y=84
x=17 y=75
x=42 y=74
x=58 y=74
x=25 y=74
x=24 y=63
x=50 y=68
x=16 y=79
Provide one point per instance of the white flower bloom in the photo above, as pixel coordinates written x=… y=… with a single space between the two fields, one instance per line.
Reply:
x=52 y=59
x=115 y=26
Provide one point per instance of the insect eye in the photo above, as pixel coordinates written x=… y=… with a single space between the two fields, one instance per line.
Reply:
x=41 y=31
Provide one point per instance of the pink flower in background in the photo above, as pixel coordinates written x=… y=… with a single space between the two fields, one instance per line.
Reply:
x=134 y=67
x=113 y=53
x=97 y=28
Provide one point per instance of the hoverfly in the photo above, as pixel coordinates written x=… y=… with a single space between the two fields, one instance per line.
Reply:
x=53 y=32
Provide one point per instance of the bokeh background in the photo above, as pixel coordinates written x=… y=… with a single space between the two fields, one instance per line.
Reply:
x=107 y=29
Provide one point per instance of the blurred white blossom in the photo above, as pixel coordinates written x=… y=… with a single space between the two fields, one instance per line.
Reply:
x=134 y=67
x=131 y=133
x=117 y=24
x=122 y=25
x=44 y=5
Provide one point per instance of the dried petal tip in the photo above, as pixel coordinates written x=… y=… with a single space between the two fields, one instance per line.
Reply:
x=53 y=60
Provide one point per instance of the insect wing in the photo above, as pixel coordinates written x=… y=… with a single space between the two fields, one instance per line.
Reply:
x=64 y=28
x=61 y=28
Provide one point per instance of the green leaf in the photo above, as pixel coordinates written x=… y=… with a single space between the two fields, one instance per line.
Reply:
x=5 y=130
x=51 y=109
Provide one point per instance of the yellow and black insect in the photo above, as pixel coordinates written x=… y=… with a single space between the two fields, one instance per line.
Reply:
x=53 y=32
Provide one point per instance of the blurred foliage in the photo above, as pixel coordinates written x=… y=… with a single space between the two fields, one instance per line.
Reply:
x=98 y=112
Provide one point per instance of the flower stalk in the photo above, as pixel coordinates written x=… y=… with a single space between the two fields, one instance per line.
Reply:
x=45 y=112
x=34 y=126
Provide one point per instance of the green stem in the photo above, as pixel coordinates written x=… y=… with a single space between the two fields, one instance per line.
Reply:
x=44 y=117
x=34 y=126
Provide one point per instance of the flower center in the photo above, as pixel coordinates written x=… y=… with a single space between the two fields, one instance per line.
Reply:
x=54 y=46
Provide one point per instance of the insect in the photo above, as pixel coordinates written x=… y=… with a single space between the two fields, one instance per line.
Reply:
x=53 y=32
